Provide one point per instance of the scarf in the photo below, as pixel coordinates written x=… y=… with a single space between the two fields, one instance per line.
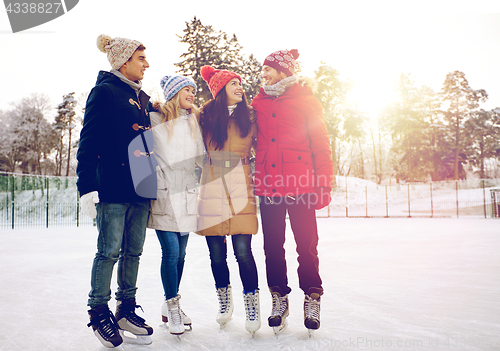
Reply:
x=231 y=109
x=280 y=87
x=136 y=86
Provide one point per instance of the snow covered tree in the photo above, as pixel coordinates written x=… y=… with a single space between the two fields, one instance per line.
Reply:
x=485 y=138
x=406 y=119
x=462 y=107
x=64 y=124
x=207 y=46
x=331 y=92
x=32 y=136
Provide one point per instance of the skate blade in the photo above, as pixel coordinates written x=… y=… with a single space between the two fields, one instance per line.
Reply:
x=188 y=327
x=277 y=330
x=223 y=325
x=311 y=333
x=133 y=339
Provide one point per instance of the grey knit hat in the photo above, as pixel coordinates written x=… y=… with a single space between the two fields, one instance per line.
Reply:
x=119 y=50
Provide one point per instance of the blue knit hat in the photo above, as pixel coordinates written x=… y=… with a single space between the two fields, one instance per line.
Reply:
x=171 y=85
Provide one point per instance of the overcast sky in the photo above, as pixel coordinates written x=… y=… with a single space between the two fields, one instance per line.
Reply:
x=369 y=42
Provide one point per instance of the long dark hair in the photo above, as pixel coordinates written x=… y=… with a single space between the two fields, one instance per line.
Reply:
x=214 y=120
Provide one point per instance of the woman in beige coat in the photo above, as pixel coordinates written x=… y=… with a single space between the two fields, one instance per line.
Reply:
x=227 y=204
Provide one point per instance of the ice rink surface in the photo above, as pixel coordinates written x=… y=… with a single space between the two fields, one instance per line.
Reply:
x=390 y=284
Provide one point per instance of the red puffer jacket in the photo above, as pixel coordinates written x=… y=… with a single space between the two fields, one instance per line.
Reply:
x=293 y=154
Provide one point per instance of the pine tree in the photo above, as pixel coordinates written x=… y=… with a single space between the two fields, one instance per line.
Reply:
x=64 y=123
x=462 y=106
x=331 y=92
x=207 y=46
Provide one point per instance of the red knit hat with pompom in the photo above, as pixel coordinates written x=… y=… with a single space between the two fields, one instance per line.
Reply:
x=217 y=78
x=283 y=60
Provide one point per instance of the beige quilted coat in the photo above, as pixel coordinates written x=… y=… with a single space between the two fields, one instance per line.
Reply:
x=226 y=197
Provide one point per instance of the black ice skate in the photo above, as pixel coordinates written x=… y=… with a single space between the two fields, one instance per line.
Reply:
x=279 y=312
x=312 y=302
x=128 y=321
x=105 y=326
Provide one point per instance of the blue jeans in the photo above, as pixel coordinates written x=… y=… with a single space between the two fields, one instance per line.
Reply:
x=122 y=231
x=242 y=247
x=173 y=251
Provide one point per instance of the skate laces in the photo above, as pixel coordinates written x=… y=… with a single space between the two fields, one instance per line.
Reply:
x=250 y=306
x=223 y=294
x=279 y=304
x=132 y=317
x=174 y=312
x=312 y=307
x=105 y=323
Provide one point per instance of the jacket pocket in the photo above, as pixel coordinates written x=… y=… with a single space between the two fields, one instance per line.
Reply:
x=191 y=201
x=161 y=205
x=297 y=169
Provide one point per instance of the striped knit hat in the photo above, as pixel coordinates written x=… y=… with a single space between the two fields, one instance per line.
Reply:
x=283 y=61
x=217 y=78
x=119 y=50
x=171 y=85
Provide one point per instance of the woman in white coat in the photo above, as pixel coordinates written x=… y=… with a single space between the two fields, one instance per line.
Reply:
x=178 y=146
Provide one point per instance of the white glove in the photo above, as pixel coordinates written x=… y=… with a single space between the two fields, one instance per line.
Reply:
x=88 y=202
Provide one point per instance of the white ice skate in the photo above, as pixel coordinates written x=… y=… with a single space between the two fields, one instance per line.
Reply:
x=252 y=309
x=226 y=306
x=175 y=323
x=185 y=319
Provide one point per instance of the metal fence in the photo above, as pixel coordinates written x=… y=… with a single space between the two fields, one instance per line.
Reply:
x=40 y=201
x=477 y=198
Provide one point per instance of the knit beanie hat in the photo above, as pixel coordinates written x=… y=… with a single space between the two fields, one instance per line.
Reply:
x=283 y=60
x=171 y=85
x=119 y=50
x=217 y=78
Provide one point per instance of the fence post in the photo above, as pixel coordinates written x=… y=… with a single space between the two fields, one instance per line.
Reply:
x=409 y=211
x=432 y=204
x=78 y=209
x=386 y=203
x=484 y=200
x=366 y=200
x=12 y=198
x=346 y=200
x=47 y=184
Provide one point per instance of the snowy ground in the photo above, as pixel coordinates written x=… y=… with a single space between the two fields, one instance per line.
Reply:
x=417 y=284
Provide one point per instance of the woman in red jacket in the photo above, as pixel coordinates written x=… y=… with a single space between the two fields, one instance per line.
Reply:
x=293 y=173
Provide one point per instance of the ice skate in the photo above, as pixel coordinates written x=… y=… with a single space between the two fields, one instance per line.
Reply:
x=175 y=323
x=252 y=309
x=185 y=319
x=226 y=306
x=279 y=312
x=312 y=302
x=129 y=322
x=105 y=326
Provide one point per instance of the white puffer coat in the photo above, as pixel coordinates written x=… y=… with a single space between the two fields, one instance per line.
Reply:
x=175 y=208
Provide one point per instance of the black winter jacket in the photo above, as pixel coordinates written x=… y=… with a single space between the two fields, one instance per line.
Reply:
x=114 y=116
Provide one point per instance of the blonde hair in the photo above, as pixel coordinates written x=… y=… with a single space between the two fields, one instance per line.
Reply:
x=170 y=112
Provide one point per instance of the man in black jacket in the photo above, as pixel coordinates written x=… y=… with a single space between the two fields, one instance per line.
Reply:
x=115 y=117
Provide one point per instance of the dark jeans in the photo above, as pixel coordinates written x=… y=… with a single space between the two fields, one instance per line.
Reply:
x=122 y=231
x=305 y=231
x=242 y=247
x=173 y=252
